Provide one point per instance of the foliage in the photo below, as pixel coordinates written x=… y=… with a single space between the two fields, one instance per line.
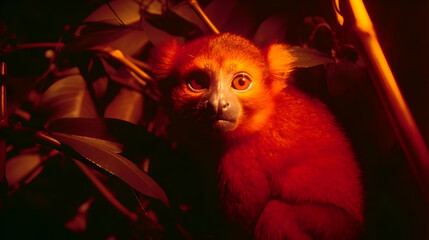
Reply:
x=89 y=106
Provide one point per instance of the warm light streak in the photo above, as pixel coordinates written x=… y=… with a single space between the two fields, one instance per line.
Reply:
x=340 y=18
x=391 y=96
x=196 y=7
x=363 y=22
x=118 y=55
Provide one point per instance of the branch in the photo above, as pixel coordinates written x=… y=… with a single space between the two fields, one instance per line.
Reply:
x=196 y=7
x=142 y=78
x=394 y=103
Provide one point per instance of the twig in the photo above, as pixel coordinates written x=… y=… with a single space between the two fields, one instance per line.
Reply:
x=119 y=56
x=196 y=7
x=3 y=125
x=23 y=46
x=32 y=173
x=394 y=103
x=142 y=78
x=140 y=64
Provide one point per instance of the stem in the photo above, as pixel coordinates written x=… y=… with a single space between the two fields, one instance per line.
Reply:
x=119 y=56
x=39 y=45
x=394 y=103
x=142 y=78
x=3 y=123
x=24 y=46
x=196 y=7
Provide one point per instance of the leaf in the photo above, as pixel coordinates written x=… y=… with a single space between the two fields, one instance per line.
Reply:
x=99 y=87
x=129 y=40
x=68 y=97
x=343 y=77
x=17 y=90
x=273 y=29
x=307 y=57
x=78 y=223
x=232 y=16
x=127 y=105
x=121 y=75
x=114 y=164
x=109 y=146
x=158 y=36
x=113 y=130
x=184 y=11
x=101 y=128
x=219 y=11
x=23 y=167
x=127 y=11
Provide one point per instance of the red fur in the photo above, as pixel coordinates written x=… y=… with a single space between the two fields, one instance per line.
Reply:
x=296 y=178
x=287 y=171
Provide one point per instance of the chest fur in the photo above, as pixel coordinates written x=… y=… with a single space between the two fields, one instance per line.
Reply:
x=244 y=186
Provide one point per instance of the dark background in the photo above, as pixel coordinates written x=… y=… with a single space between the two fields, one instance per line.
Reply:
x=395 y=206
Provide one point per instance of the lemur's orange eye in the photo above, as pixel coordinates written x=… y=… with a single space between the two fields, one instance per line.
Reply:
x=241 y=82
x=198 y=81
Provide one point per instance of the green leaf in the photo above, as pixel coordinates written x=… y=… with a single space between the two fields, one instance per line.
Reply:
x=114 y=164
x=307 y=57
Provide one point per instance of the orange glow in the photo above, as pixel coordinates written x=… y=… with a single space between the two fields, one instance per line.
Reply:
x=340 y=18
x=391 y=96
x=363 y=22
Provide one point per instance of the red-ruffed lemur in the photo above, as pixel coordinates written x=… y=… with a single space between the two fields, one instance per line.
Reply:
x=285 y=170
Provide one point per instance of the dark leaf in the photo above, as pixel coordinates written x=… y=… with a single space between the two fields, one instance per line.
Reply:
x=68 y=97
x=307 y=57
x=18 y=90
x=220 y=11
x=99 y=87
x=108 y=129
x=127 y=105
x=121 y=74
x=273 y=29
x=24 y=167
x=79 y=222
x=109 y=146
x=232 y=16
x=184 y=11
x=343 y=77
x=322 y=37
x=114 y=164
x=127 y=11
x=158 y=36
x=127 y=39
x=91 y=127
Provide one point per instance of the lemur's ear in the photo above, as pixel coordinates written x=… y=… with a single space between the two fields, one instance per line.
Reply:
x=163 y=59
x=280 y=63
